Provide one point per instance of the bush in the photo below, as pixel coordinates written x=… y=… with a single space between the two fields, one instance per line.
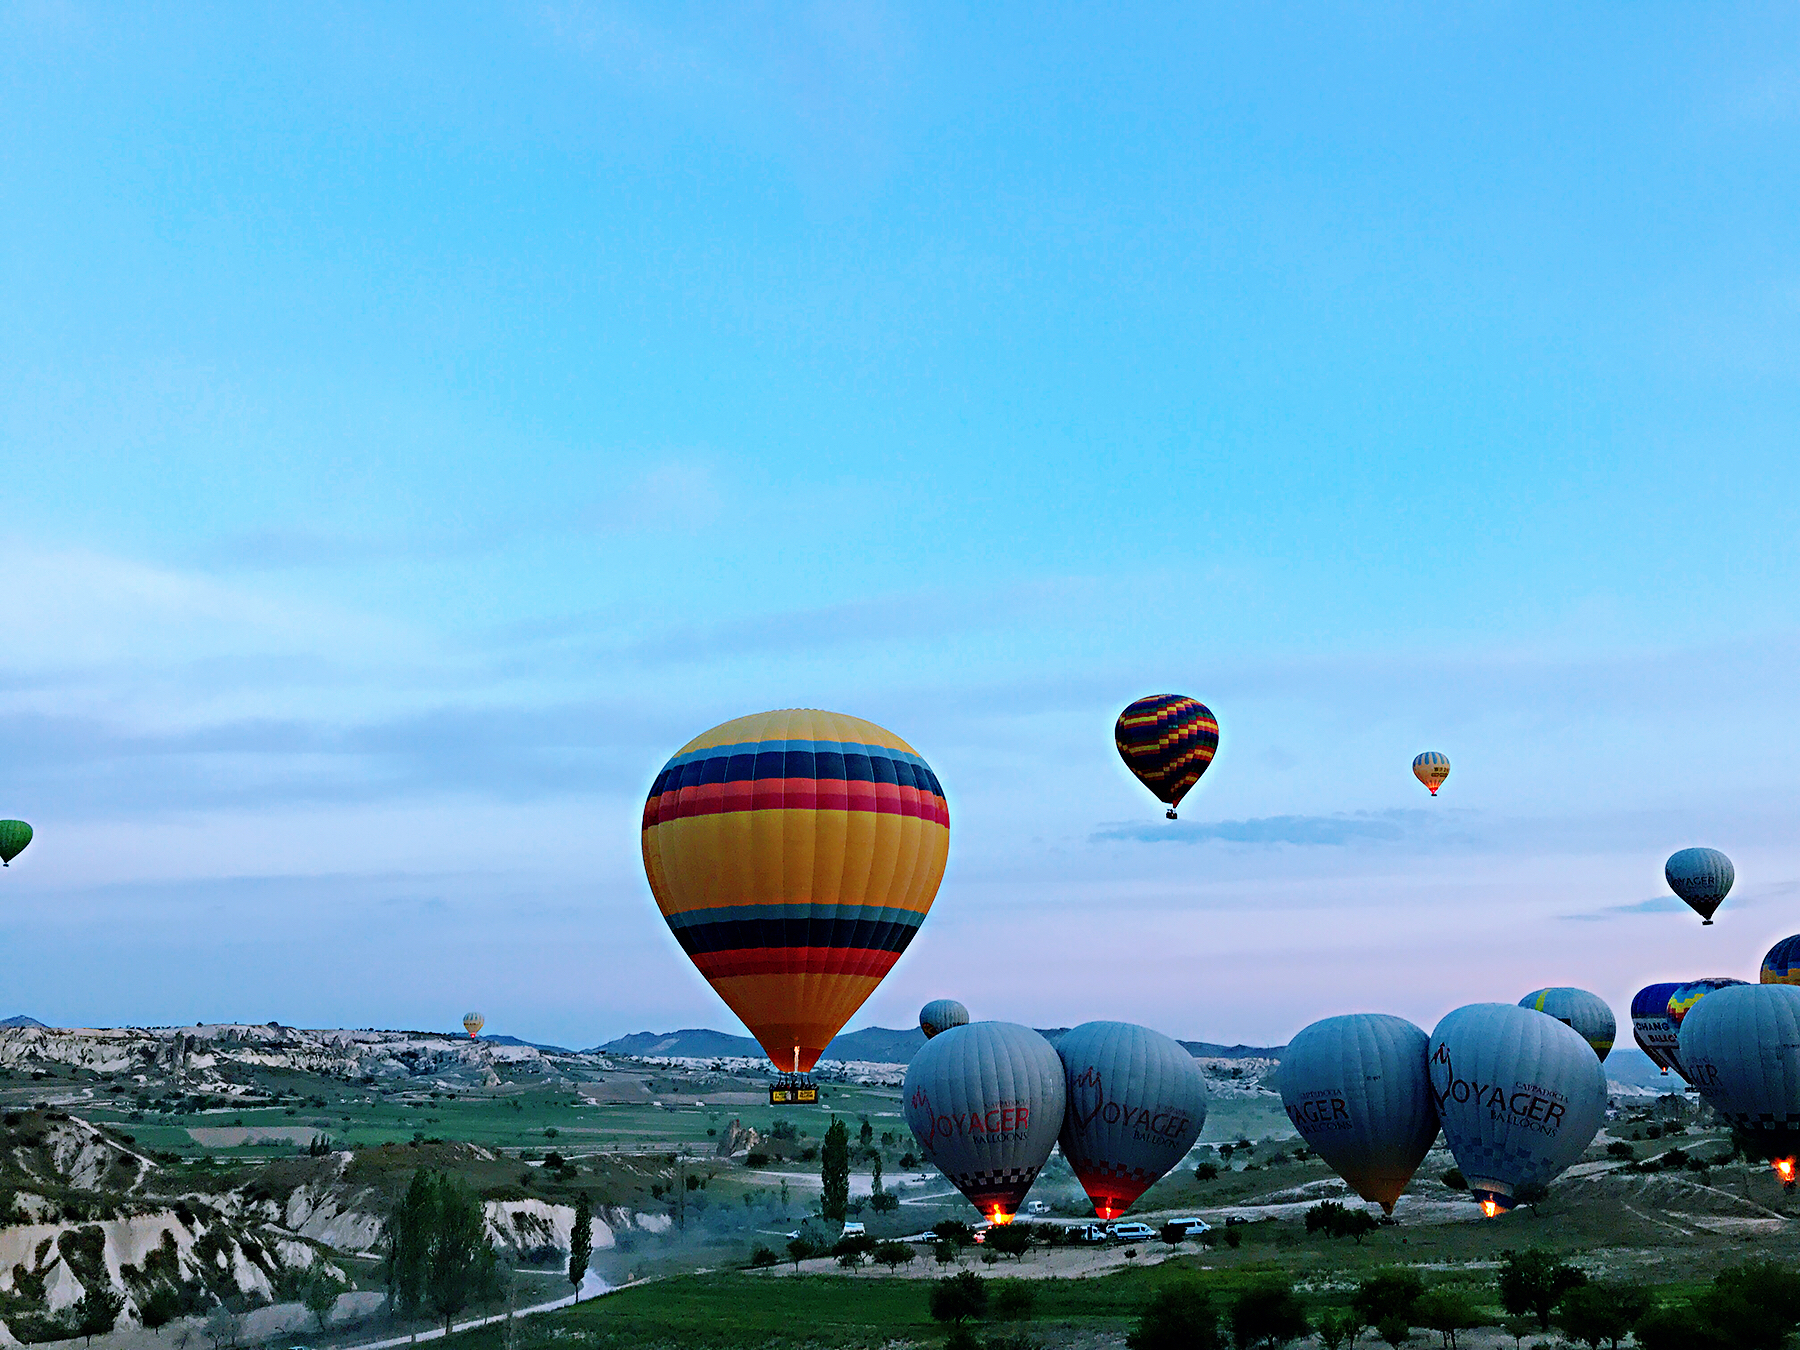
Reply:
x=756 y=1159
x=1601 y=1312
x=1455 y=1180
x=1012 y=1240
x=1447 y=1311
x=1620 y=1149
x=958 y=1297
x=1534 y=1281
x=1268 y=1313
x=1179 y=1316
x=762 y=1258
x=1336 y=1221
x=1014 y=1301
x=1387 y=1295
x=1206 y=1171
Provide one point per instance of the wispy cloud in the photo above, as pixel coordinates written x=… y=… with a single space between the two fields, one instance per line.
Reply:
x=1333 y=830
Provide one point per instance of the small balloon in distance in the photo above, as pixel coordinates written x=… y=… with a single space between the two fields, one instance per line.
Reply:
x=940 y=1015
x=14 y=835
x=1431 y=769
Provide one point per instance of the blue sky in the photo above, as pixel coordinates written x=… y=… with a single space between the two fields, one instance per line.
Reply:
x=417 y=422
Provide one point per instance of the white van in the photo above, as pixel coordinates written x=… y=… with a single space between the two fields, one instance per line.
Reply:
x=854 y=1229
x=1130 y=1232
x=1192 y=1227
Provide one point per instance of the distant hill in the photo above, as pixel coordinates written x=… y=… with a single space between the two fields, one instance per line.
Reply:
x=1630 y=1065
x=692 y=1043
x=21 y=1020
x=881 y=1045
x=514 y=1040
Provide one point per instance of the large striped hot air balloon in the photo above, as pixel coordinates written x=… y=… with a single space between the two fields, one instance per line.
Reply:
x=794 y=855
x=1167 y=740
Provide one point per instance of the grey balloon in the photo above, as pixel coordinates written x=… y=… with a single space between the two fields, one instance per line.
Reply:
x=1702 y=877
x=1741 y=1048
x=1520 y=1095
x=1358 y=1090
x=985 y=1101
x=1588 y=1014
x=1136 y=1103
x=940 y=1015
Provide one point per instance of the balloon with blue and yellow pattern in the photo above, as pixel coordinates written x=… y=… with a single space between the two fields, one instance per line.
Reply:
x=1682 y=1001
x=1167 y=740
x=794 y=854
x=1431 y=769
x=1782 y=964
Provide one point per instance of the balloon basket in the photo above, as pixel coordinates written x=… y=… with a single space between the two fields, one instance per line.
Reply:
x=793 y=1089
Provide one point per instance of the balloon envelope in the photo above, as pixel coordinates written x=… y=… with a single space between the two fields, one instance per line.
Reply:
x=1782 y=964
x=985 y=1102
x=1587 y=1013
x=794 y=854
x=1136 y=1102
x=473 y=1022
x=940 y=1015
x=1167 y=740
x=1687 y=996
x=1359 y=1092
x=14 y=835
x=1651 y=1027
x=1521 y=1097
x=1700 y=876
x=1431 y=769
x=1741 y=1046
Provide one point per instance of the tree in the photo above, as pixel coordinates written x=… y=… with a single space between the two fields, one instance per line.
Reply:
x=1337 y=1221
x=1012 y=1240
x=944 y=1250
x=954 y=1230
x=1534 y=1281
x=1447 y=1311
x=853 y=1249
x=1206 y=1171
x=762 y=1258
x=222 y=1326
x=460 y=1265
x=581 y=1242
x=955 y=1298
x=893 y=1254
x=1601 y=1312
x=1394 y=1329
x=1014 y=1302
x=1386 y=1295
x=1339 y=1327
x=1750 y=1307
x=96 y=1310
x=1172 y=1233
x=321 y=1295
x=1179 y=1316
x=1268 y=1313
x=160 y=1308
x=834 y=1172
x=801 y=1249
x=406 y=1241
x=1674 y=1327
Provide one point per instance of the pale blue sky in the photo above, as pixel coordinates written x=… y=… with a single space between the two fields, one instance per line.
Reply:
x=418 y=422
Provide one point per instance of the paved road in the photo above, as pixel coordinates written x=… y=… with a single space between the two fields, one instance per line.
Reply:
x=592 y=1287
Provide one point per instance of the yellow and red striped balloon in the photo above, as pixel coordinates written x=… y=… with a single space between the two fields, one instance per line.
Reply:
x=794 y=855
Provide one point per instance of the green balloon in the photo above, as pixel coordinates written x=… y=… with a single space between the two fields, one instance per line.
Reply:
x=14 y=835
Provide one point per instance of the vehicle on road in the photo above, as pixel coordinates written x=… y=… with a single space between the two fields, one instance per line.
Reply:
x=1190 y=1227
x=854 y=1229
x=1130 y=1232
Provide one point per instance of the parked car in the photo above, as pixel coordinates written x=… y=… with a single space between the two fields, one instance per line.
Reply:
x=1090 y=1232
x=1036 y=1207
x=1191 y=1227
x=1130 y=1232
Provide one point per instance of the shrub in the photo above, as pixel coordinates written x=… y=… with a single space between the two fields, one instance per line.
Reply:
x=1455 y=1180
x=762 y=1258
x=1012 y=1240
x=1601 y=1312
x=1620 y=1149
x=958 y=1297
x=1387 y=1295
x=1206 y=1171
x=1014 y=1301
x=1447 y=1311
x=1268 y=1313
x=1179 y=1316
x=1534 y=1281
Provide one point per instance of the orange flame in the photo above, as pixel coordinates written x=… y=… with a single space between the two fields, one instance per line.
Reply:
x=1489 y=1208
x=1785 y=1166
x=1000 y=1216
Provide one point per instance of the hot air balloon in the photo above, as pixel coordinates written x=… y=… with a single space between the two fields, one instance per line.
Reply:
x=1782 y=964
x=985 y=1102
x=1651 y=1027
x=473 y=1023
x=1521 y=1097
x=1358 y=1090
x=794 y=855
x=14 y=835
x=1431 y=769
x=1587 y=1013
x=1741 y=1046
x=1136 y=1102
x=1682 y=1001
x=1167 y=740
x=1702 y=877
x=940 y=1015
